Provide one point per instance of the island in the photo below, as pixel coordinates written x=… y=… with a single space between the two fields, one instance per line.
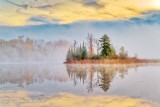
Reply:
x=101 y=51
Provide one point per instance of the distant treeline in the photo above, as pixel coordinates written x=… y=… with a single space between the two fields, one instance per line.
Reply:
x=96 y=49
x=27 y=49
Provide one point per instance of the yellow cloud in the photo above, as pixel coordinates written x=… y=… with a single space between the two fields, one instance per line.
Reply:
x=68 y=11
x=21 y=98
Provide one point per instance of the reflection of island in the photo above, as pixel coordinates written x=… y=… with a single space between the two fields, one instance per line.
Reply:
x=90 y=76
x=98 y=75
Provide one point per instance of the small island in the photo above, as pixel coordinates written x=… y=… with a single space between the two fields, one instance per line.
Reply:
x=101 y=51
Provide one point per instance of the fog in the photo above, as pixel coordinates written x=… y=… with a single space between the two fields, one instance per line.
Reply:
x=141 y=39
x=25 y=50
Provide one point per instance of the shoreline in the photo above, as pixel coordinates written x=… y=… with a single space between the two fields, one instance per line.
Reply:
x=112 y=61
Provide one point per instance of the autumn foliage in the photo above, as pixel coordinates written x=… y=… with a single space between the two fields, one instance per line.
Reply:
x=112 y=61
x=105 y=53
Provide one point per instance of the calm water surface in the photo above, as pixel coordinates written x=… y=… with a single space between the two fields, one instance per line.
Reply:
x=23 y=85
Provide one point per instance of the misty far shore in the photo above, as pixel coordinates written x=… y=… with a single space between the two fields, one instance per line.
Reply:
x=25 y=49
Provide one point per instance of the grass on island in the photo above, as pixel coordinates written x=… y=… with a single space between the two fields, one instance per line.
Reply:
x=112 y=61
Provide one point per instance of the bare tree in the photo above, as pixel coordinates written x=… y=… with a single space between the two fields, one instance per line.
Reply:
x=74 y=46
x=90 y=42
x=96 y=41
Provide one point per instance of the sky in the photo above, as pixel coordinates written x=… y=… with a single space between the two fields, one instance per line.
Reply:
x=133 y=24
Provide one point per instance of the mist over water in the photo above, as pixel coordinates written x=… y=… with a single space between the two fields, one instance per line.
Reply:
x=26 y=50
x=38 y=36
x=32 y=69
x=96 y=83
x=143 y=39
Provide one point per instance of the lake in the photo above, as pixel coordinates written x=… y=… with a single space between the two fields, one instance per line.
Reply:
x=79 y=85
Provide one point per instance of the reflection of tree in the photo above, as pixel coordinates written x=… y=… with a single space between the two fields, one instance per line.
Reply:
x=80 y=74
x=90 y=83
x=106 y=76
x=122 y=72
x=98 y=75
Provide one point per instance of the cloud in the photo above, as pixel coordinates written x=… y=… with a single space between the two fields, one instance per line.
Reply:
x=74 y=10
x=149 y=18
x=43 y=20
x=93 y=3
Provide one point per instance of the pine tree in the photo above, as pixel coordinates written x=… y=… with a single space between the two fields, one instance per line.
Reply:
x=78 y=53
x=105 y=46
x=84 y=52
x=113 y=54
x=69 y=54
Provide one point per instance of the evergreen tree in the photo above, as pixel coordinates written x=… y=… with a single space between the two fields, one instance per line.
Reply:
x=105 y=46
x=69 y=54
x=113 y=53
x=84 y=52
x=78 y=53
